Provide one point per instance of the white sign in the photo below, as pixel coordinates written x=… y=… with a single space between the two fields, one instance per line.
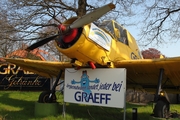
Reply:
x=100 y=87
x=100 y=37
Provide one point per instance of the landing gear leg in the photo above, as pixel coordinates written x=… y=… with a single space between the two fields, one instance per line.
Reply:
x=49 y=96
x=162 y=106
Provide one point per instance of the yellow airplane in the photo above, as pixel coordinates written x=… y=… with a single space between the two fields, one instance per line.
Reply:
x=106 y=45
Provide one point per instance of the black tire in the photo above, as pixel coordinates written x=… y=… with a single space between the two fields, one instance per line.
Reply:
x=44 y=97
x=161 y=109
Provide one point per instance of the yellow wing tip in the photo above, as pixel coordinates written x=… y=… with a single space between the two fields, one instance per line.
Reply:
x=162 y=56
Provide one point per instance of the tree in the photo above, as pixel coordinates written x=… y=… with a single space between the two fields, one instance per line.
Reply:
x=151 y=53
x=31 y=16
x=158 y=19
x=160 y=22
x=7 y=34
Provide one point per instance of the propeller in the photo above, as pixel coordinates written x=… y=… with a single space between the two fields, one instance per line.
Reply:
x=40 y=43
x=80 y=22
x=92 y=16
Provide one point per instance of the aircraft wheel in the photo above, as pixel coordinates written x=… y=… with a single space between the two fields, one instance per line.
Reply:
x=161 y=109
x=44 y=97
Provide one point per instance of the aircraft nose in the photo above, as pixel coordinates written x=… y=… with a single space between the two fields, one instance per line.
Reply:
x=68 y=37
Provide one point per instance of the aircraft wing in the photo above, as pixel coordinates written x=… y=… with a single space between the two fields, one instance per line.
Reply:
x=144 y=73
x=141 y=73
x=43 y=68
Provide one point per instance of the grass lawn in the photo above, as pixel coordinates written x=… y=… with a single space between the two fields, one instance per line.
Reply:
x=18 y=105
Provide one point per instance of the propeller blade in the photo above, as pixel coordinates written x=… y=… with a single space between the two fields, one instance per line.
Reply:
x=92 y=16
x=86 y=19
x=41 y=42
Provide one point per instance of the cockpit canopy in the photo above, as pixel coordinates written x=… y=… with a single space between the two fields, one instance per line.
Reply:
x=116 y=30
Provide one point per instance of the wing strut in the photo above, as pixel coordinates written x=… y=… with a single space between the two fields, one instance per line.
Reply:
x=162 y=106
x=53 y=90
x=50 y=96
x=159 y=85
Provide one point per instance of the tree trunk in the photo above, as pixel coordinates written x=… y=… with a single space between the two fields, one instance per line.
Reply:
x=81 y=8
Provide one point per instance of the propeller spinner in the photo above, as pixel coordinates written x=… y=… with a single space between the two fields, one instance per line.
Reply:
x=86 y=19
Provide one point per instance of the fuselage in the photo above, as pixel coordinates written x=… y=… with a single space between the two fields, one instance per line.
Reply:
x=103 y=44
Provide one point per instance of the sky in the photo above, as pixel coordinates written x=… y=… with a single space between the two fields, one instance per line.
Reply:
x=172 y=50
x=169 y=50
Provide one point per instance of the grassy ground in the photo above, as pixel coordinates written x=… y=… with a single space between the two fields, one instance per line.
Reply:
x=16 y=105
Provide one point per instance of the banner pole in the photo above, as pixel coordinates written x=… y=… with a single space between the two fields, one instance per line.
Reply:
x=64 y=109
x=124 y=117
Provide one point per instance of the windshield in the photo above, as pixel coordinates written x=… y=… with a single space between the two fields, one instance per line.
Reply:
x=108 y=26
